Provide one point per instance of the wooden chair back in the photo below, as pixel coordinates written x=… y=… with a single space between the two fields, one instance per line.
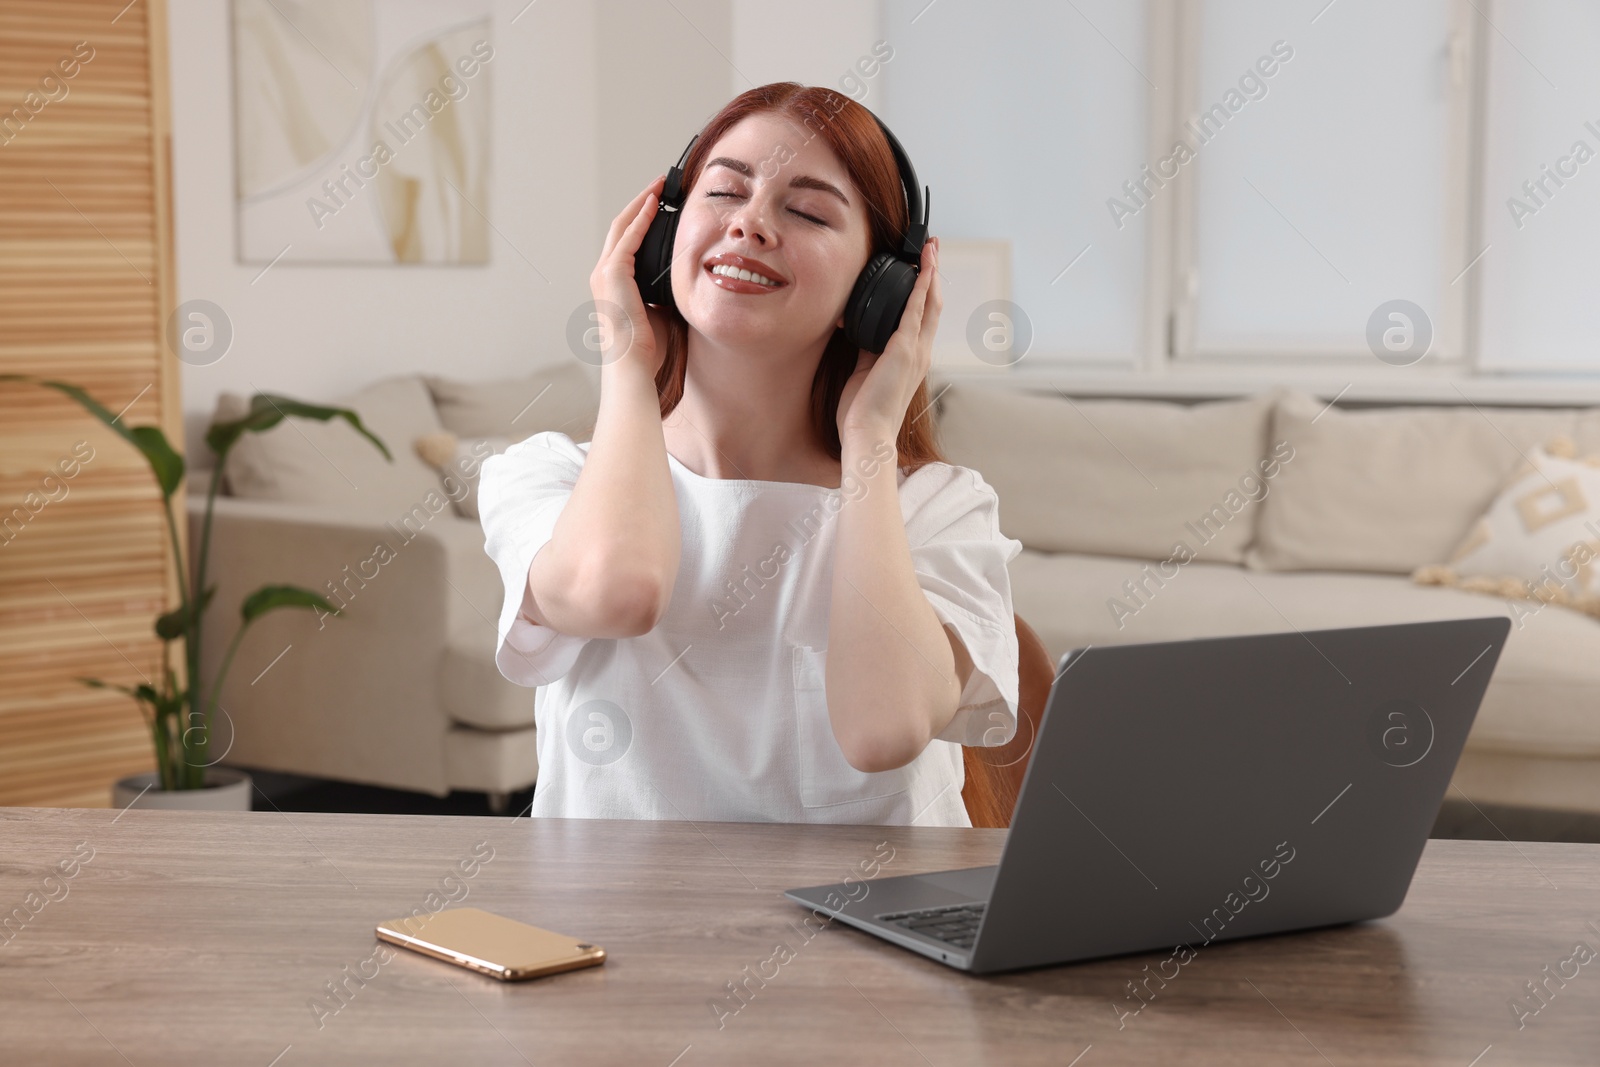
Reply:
x=994 y=775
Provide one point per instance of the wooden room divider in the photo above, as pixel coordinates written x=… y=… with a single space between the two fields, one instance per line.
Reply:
x=86 y=284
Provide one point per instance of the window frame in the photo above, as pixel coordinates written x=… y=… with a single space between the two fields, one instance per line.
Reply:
x=1175 y=49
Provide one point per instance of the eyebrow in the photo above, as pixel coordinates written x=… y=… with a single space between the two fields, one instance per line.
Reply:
x=802 y=181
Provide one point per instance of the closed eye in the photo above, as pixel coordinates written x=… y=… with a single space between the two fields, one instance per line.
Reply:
x=802 y=214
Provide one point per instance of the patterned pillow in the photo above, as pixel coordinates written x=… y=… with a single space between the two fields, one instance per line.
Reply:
x=460 y=462
x=1540 y=538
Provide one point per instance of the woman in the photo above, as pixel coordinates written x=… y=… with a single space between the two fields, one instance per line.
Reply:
x=758 y=593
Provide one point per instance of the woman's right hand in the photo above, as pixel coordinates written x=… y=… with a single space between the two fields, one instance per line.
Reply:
x=639 y=339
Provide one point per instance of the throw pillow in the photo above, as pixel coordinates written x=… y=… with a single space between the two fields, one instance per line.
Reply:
x=1387 y=489
x=305 y=461
x=1129 y=478
x=1540 y=537
x=459 y=462
x=557 y=398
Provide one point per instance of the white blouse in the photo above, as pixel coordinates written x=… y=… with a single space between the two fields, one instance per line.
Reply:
x=719 y=712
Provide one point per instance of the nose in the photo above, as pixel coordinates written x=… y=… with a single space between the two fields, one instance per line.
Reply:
x=749 y=221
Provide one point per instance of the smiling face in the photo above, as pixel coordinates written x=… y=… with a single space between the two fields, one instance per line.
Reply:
x=770 y=202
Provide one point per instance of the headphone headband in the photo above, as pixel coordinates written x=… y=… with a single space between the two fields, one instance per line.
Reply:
x=917 y=203
x=673 y=192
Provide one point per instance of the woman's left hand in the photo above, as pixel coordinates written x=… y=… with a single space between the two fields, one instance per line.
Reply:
x=877 y=394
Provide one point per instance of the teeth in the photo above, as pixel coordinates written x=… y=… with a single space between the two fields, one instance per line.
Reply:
x=742 y=275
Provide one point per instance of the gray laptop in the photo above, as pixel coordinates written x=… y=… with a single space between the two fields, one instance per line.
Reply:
x=1185 y=792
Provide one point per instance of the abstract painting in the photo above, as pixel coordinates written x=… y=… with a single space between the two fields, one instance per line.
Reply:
x=362 y=130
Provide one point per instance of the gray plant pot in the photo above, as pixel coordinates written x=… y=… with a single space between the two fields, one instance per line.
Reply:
x=224 y=790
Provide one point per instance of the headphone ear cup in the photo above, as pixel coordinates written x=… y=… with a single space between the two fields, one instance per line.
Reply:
x=652 y=264
x=879 y=298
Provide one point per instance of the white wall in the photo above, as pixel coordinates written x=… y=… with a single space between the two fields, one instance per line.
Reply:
x=318 y=331
x=590 y=101
x=816 y=43
x=661 y=75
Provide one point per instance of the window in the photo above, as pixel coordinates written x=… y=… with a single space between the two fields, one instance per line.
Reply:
x=1541 y=188
x=1023 y=118
x=1252 y=187
x=1327 y=175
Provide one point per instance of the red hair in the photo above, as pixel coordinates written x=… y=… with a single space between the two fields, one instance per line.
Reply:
x=854 y=135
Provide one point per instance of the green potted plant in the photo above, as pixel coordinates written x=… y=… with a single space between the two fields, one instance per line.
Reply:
x=180 y=718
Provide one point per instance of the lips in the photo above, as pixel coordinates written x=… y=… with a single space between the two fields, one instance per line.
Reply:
x=754 y=266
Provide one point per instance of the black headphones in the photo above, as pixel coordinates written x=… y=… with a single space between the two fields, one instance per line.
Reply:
x=881 y=291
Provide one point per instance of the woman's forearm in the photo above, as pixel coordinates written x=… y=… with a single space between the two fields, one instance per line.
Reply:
x=609 y=567
x=892 y=677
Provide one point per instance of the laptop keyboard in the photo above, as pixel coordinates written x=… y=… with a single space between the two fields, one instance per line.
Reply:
x=955 y=924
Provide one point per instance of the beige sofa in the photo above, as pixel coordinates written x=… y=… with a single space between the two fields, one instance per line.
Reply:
x=1097 y=489
x=400 y=688
x=1298 y=517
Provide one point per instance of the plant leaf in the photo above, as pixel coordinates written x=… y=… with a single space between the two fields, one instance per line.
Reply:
x=271 y=597
x=149 y=440
x=141 y=691
x=163 y=459
x=172 y=625
x=269 y=409
x=95 y=683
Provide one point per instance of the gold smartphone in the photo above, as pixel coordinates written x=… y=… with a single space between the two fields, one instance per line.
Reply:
x=490 y=944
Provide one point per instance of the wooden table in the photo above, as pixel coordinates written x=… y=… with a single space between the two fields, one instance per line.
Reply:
x=211 y=938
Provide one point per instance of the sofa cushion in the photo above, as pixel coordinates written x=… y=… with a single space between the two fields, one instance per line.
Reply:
x=471 y=688
x=499 y=762
x=1388 y=489
x=305 y=461
x=559 y=397
x=1539 y=538
x=474 y=691
x=459 y=462
x=1540 y=700
x=1119 y=477
x=1586 y=437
